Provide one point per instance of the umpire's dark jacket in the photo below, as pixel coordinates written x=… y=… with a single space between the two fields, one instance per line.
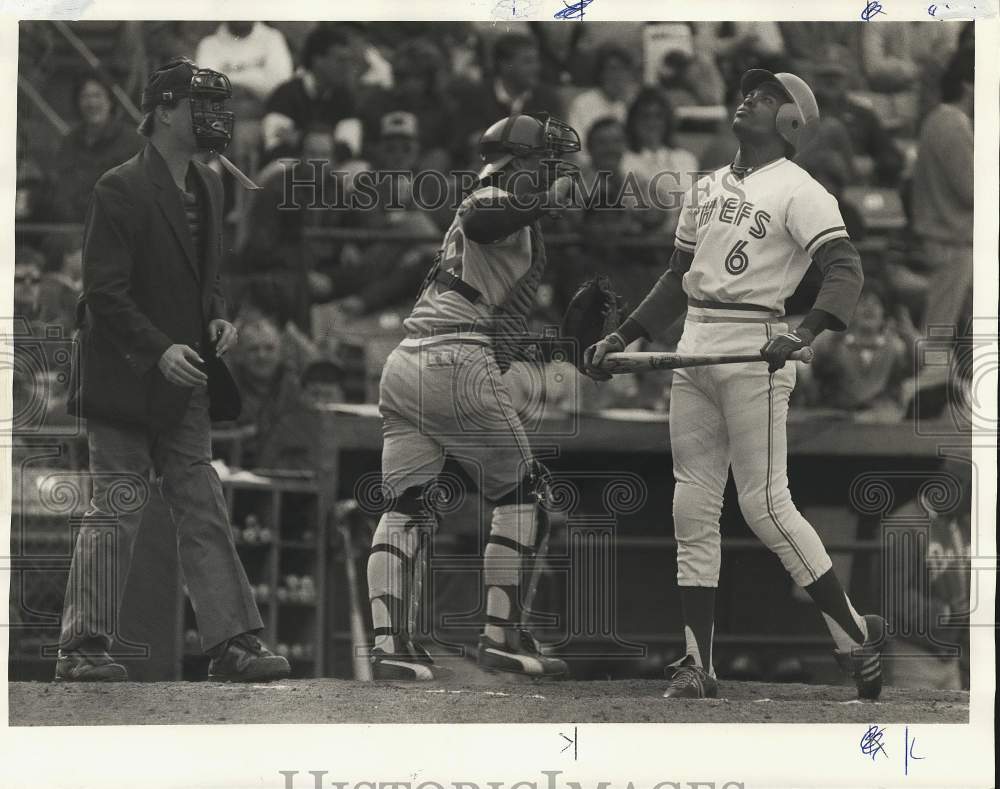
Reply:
x=145 y=288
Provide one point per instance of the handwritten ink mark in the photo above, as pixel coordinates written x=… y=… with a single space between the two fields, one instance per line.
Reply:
x=908 y=751
x=504 y=10
x=871 y=742
x=572 y=11
x=872 y=9
x=569 y=742
x=959 y=10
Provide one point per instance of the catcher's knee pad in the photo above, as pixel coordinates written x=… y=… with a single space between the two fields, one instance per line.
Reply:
x=696 y=527
x=396 y=542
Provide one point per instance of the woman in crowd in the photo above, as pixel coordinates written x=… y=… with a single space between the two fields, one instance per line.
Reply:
x=616 y=85
x=654 y=158
x=98 y=142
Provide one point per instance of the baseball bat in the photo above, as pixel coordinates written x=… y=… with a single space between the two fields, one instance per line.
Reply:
x=359 y=636
x=537 y=566
x=655 y=360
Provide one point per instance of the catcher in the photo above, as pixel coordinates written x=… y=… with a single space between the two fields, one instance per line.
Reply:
x=442 y=395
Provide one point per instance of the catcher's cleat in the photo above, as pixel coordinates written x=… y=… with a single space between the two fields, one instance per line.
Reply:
x=244 y=658
x=525 y=657
x=690 y=681
x=864 y=663
x=413 y=664
x=88 y=664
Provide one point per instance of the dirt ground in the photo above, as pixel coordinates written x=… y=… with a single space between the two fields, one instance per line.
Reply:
x=467 y=697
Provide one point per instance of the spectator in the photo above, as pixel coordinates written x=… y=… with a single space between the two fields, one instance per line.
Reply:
x=867 y=135
x=98 y=142
x=740 y=46
x=515 y=88
x=804 y=40
x=376 y=71
x=28 y=264
x=322 y=382
x=935 y=64
x=387 y=273
x=419 y=73
x=275 y=253
x=268 y=379
x=860 y=370
x=943 y=193
x=325 y=89
x=614 y=208
x=253 y=55
x=616 y=86
x=685 y=71
x=62 y=281
x=32 y=196
x=653 y=157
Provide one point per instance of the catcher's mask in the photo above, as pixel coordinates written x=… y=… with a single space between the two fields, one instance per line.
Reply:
x=525 y=135
x=207 y=92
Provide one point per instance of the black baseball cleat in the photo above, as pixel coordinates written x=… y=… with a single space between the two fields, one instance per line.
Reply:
x=690 y=681
x=526 y=657
x=88 y=664
x=864 y=663
x=411 y=664
x=244 y=658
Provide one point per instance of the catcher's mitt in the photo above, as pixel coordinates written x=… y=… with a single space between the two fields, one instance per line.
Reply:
x=593 y=313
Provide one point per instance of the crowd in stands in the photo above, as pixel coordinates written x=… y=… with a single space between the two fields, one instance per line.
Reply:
x=323 y=108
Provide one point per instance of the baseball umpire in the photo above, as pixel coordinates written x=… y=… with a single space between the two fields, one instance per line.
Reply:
x=442 y=397
x=152 y=334
x=746 y=237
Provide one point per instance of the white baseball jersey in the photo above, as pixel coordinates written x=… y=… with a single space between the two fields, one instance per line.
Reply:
x=492 y=269
x=753 y=238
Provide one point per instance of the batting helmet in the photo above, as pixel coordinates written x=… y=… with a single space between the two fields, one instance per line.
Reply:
x=524 y=135
x=795 y=120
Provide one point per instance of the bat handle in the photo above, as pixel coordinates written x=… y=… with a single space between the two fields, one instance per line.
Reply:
x=804 y=355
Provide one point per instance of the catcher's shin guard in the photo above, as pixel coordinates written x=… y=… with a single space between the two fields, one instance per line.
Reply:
x=395 y=576
x=513 y=567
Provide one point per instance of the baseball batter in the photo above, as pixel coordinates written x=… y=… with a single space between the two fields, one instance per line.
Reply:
x=746 y=237
x=442 y=396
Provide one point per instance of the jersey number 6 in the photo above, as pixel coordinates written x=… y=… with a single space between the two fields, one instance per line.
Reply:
x=737 y=260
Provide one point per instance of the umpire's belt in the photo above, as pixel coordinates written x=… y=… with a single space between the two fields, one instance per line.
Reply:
x=704 y=311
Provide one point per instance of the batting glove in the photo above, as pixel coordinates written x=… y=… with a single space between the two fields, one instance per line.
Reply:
x=594 y=355
x=777 y=350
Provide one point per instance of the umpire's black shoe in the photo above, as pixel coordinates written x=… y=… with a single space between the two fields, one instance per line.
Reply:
x=864 y=663
x=244 y=658
x=690 y=681
x=88 y=663
x=525 y=657
x=412 y=663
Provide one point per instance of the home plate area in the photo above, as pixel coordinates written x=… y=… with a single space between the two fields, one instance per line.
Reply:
x=469 y=696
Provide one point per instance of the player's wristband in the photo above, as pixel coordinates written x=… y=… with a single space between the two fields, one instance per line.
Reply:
x=630 y=331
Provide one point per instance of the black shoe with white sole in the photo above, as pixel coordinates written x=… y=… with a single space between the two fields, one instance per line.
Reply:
x=690 y=681
x=411 y=663
x=525 y=657
x=864 y=663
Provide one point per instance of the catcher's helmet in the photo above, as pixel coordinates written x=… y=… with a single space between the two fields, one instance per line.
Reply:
x=524 y=135
x=796 y=120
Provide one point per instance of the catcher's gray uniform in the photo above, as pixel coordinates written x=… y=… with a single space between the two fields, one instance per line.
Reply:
x=441 y=389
